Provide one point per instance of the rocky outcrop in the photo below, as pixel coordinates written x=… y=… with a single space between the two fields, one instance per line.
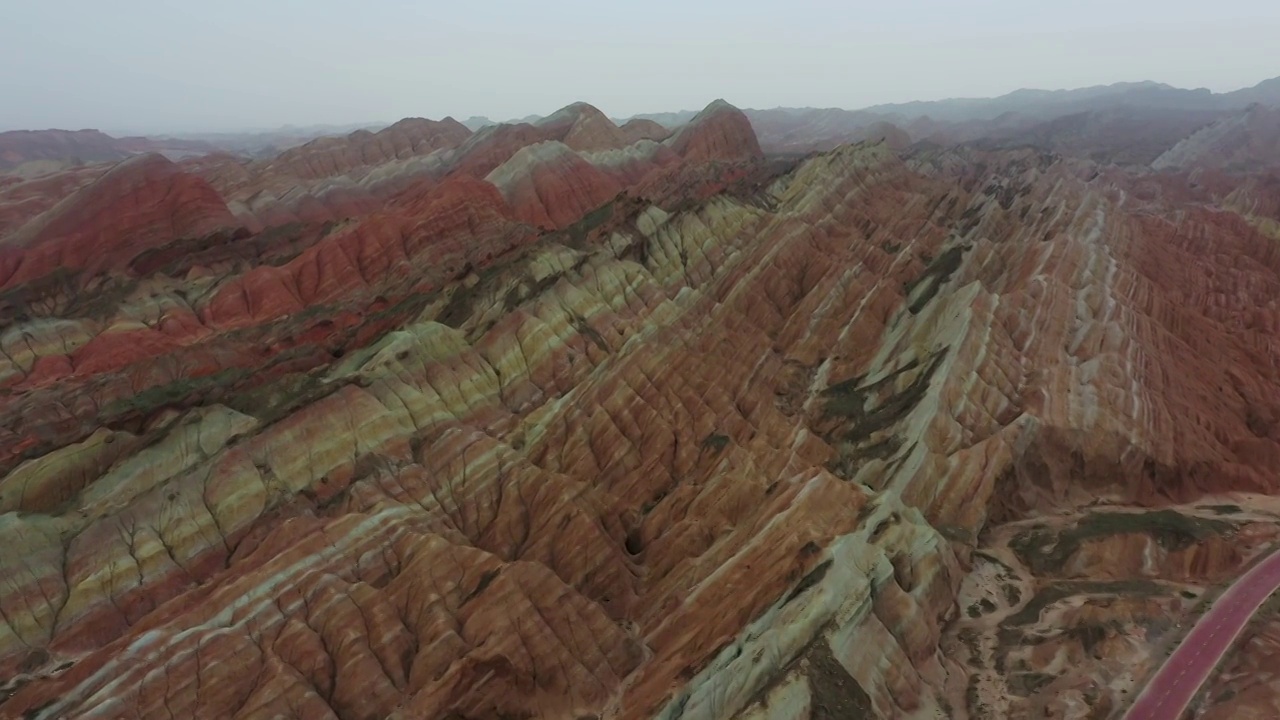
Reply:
x=584 y=128
x=24 y=199
x=638 y=129
x=331 y=178
x=886 y=132
x=461 y=223
x=139 y=204
x=632 y=165
x=737 y=439
x=551 y=186
x=332 y=156
x=721 y=132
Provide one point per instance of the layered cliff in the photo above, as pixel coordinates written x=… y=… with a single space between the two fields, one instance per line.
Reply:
x=139 y=204
x=328 y=157
x=720 y=132
x=568 y=429
x=551 y=186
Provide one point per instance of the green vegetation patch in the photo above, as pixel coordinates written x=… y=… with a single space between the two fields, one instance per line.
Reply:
x=834 y=694
x=850 y=425
x=580 y=232
x=1011 y=593
x=462 y=301
x=1046 y=551
x=715 y=442
x=182 y=393
x=848 y=399
x=972 y=700
x=1026 y=684
x=924 y=288
x=275 y=400
x=1089 y=635
x=1056 y=593
x=63 y=293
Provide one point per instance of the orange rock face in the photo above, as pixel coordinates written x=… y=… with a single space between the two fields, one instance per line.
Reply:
x=720 y=132
x=460 y=223
x=640 y=129
x=328 y=179
x=328 y=157
x=141 y=203
x=332 y=179
x=583 y=127
x=552 y=422
x=23 y=199
x=551 y=186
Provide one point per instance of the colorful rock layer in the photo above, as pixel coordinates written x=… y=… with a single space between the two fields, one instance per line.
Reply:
x=569 y=420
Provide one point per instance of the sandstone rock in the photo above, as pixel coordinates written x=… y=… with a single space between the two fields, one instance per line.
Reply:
x=584 y=128
x=494 y=145
x=638 y=129
x=327 y=157
x=140 y=203
x=633 y=164
x=21 y=200
x=551 y=186
x=460 y=222
x=748 y=440
x=720 y=132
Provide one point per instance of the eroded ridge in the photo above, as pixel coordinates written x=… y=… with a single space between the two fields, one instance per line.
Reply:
x=642 y=431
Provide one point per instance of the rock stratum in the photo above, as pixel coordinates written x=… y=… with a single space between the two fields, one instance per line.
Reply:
x=571 y=420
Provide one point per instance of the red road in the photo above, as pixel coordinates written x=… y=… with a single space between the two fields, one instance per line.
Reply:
x=1169 y=692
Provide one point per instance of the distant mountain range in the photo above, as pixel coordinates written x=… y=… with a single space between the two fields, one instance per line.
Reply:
x=1041 y=103
x=564 y=418
x=1127 y=123
x=1103 y=97
x=265 y=142
x=35 y=152
x=1123 y=123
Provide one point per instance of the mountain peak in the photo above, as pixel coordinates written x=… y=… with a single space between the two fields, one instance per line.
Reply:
x=720 y=132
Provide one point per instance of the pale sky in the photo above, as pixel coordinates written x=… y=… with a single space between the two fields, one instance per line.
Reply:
x=175 y=66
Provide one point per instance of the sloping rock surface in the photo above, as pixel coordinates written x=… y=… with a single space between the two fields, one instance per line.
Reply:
x=625 y=430
x=1247 y=140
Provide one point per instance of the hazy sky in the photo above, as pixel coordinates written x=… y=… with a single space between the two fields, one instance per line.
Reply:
x=155 y=66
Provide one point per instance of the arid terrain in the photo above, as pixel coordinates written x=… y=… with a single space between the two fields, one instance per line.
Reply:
x=773 y=415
